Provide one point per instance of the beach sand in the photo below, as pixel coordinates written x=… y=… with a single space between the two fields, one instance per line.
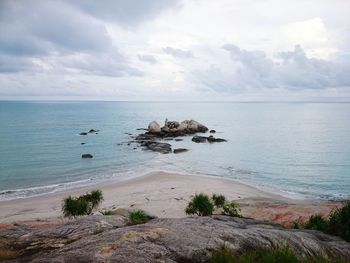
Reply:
x=165 y=194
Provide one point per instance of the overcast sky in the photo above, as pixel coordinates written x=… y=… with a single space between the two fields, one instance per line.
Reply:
x=239 y=50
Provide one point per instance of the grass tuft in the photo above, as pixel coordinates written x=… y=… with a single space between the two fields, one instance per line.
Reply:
x=137 y=217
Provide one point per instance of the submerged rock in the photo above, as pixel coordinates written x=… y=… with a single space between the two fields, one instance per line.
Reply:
x=160 y=147
x=199 y=139
x=211 y=139
x=180 y=150
x=93 y=131
x=83 y=133
x=192 y=239
x=87 y=156
x=212 y=131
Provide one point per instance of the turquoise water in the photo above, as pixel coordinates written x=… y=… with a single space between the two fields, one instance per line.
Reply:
x=301 y=149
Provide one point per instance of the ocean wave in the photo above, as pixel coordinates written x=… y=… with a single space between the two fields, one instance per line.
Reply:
x=11 y=194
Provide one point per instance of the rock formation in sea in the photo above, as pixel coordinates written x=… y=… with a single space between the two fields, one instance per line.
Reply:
x=151 y=139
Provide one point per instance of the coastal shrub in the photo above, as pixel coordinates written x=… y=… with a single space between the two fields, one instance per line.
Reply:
x=200 y=205
x=317 y=222
x=137 y=217
x=95 y=197
x=339 y=221
x=273 y=255
x=74 y=207
x=81 y=205
x=231 y=208
x=219 y=200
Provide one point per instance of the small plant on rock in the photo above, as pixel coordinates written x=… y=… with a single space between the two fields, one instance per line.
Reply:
x=231 y=208
x=317 y=222
x=137 y=217
x=200 y=205
x=107 y=212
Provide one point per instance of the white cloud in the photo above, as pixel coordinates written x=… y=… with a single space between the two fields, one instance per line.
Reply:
x=173 y=49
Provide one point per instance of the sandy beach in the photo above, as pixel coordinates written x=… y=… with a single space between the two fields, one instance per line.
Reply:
x=165 y=194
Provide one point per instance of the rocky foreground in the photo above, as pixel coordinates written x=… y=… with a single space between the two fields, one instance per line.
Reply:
x=191 y=239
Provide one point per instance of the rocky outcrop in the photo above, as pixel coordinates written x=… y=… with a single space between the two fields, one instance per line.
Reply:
x=154 y=127
x=174 y=128
x=193 y=239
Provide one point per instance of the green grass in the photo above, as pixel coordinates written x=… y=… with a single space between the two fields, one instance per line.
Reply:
x=200 y=205
x=137 y=217
x=107 y=212
x=272 y=255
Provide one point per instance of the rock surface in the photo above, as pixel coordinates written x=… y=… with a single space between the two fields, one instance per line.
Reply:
x=192 y=239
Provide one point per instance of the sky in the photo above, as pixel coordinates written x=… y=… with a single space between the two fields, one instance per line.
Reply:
x=192 y=50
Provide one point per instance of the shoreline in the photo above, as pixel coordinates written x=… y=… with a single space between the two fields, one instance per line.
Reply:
x=164 y=194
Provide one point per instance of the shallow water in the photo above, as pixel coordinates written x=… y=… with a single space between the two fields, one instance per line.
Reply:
x=301 y=149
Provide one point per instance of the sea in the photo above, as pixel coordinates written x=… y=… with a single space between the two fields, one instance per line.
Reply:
x=301 y=150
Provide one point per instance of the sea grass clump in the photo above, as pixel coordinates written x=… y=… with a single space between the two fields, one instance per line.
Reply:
x=81 y=205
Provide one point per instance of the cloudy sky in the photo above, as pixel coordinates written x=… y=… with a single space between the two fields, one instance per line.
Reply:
x=239 y=50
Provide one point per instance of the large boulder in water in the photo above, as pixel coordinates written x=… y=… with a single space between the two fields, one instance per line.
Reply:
x=170 y=126
x=154 y=127
x=193 y=126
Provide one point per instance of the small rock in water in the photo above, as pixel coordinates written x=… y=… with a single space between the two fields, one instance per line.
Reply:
x=199 y=139
x=92 y=131
x=213 y=139
x=83 y=133
x=82 y=143
x=212 y=131
x=87 y=156
x=180 y=150
x=178 y=140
